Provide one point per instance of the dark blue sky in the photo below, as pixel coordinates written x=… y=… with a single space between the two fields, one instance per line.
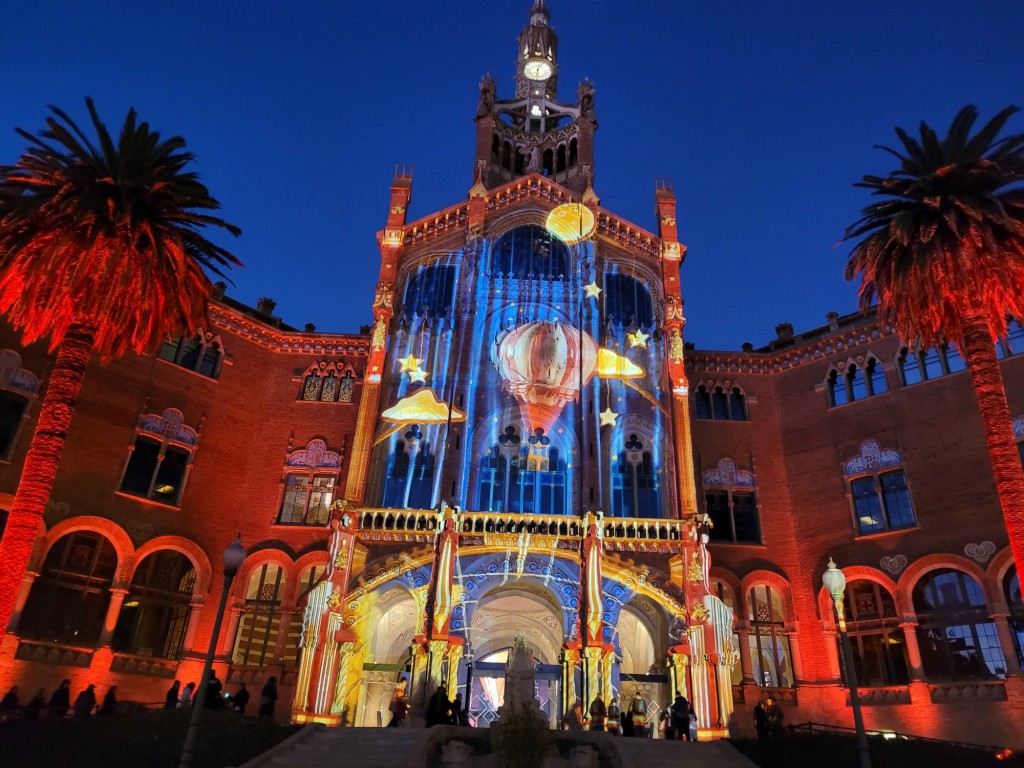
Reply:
x=762 y=113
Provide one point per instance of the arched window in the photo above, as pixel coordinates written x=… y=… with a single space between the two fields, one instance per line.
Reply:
x=68 y=602
x=431 y=290
x=409 y=474
x=730 y=499
x=202 y=354
x=634 y=479
x=627 y=300
x=957 y=640
x=158 y=461
x=155 y=611
x=878 y=490
x=917 y=365
x=523 y=475
x=261 y=619
x=856 y=382
x=530 y=252
x=877 y=642
x=769 y=644
x=720 y=403
x=1011 y=588
x=17 y=388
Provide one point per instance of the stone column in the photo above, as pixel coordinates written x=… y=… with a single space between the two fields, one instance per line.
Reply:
x=1001 y=620
x=113 y=611
x=835 y=671
x=283 y=627
x=227 y=640
x=19 y=604
x=796 y=658
x=745 y=664
x=913 y=650
x=196 y=610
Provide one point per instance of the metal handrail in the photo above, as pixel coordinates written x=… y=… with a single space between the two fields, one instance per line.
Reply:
x=810 y=727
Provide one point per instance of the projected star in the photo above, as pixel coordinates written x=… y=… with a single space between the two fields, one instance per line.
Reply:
x=418 y=375
x=591 y=290
x=638 y=339
x=410 y=363
x=608 y=417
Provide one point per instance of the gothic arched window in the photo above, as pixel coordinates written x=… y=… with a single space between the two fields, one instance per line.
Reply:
x=634 y=479
x=876 y=640
x=730 y=501
x=155 y=612
x=431 y=290
x=523 y=475
x=627 y=300
x=409 y=474
x=879 y=491
x=261 y=618
x=68 y=602
x=956 y=637
x=530 y=252
x=716 y=402
x=769 y=643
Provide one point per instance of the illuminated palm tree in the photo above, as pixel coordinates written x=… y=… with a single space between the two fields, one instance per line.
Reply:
x=943 y=252
x=101 y=252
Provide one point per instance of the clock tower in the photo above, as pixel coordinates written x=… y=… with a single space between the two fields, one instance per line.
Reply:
x=535 y=132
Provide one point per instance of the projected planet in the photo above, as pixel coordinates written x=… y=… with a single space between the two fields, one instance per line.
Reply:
x=571 y=223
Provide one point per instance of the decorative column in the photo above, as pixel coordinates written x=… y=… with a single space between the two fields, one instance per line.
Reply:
x=794 y=651
x=284 y=627
x=195 y=611
x=593 y=647
x=678 y=661
x=746 y=666
x=1001 y=620
x=913 y=651
x=324 y=686
x=19 y=604
x=227 y=643
x=113 y=612
x=569 y=660
x=834 y=670
x=390 y=242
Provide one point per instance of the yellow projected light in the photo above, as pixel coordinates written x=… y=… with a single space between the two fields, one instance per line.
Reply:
x=571 y=222
x=420 y=408
x=614 y=366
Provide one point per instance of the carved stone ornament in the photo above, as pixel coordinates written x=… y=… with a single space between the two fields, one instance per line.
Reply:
x=894 y=564
x=981 y=552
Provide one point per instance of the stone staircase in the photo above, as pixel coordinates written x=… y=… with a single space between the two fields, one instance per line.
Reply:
x=319 y=747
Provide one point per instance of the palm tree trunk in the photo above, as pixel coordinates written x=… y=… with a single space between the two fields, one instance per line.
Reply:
x=41 y=463
x=980 y=355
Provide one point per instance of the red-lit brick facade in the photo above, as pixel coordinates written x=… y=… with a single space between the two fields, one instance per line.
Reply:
x=836 y=442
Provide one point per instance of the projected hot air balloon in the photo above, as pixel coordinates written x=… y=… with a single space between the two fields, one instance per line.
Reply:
x=542 y=365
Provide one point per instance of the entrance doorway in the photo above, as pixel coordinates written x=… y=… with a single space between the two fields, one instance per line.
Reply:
x=488 y=689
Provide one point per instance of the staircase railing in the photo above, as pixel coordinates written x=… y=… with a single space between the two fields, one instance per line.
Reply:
x=812 y=728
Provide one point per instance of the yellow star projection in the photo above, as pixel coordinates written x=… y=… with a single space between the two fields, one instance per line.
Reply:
x=608 y=417
x=591 y=290
x=410 y=363
x=638 y=339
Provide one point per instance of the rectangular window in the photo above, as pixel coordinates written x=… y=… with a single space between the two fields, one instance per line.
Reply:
x=718 y=510
x=910 y=368
x=877 y=375
x=296 y=493
x=320 y=497
x=954 y=361
x=867 y=505
x=703 y=403
x=1015 y=337
x=12 y=412
x=897 y=500
x=932 y=363
x=156 y=471
x=744 y=512
x=720 y=404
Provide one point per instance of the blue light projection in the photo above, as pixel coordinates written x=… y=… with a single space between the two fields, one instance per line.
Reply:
x=530 y=442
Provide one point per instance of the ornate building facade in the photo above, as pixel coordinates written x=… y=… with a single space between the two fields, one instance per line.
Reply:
x=522 y=441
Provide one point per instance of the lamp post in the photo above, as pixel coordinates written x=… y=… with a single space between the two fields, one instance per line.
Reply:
x=835 y=582
x=234 y=555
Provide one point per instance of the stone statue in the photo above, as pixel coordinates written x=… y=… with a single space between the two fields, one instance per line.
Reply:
x=520 y=677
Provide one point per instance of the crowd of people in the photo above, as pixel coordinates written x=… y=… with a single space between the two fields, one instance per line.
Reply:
x=85 y=704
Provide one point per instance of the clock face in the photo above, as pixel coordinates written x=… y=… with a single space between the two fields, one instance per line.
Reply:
x=538 y=70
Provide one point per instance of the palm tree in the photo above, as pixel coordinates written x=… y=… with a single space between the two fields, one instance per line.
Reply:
x=943 y=252
x=101 y=252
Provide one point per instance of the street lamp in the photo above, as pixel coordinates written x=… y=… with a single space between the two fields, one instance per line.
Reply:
x=234 y=555
x=835 y=582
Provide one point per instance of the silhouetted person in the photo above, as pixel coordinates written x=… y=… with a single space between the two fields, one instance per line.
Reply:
x=109 y=705
x=213 y=692
x=185 y=700
x=85 y=702
x=598 y=713
x=268 y=696
x=171 y=699
x=679 y=718
x=459 y=715
x=35 y=705
x=9 y=705
x=439 y=708
x=60 y=702
x=761 y=721
x=240 y=700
